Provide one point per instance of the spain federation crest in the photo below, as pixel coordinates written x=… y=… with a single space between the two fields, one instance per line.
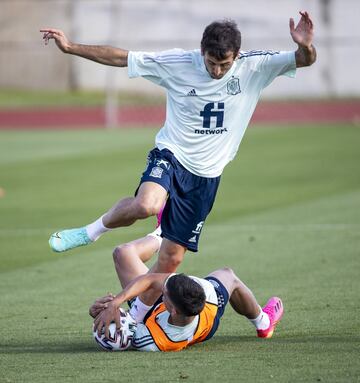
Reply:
x=233 y=86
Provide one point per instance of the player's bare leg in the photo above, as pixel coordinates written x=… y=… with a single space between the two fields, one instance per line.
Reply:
x=244 y=303
x=171 y=255
x=242 y=299
x=130 y=258
x=129 y=263
x=148 y=201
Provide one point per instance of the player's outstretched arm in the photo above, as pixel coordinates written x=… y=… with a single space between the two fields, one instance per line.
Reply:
x=303 y=35
x=154 y=281
x=102 y=54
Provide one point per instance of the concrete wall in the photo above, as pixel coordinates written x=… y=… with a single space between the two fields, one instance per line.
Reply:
x=161 y=24
x=24 y=63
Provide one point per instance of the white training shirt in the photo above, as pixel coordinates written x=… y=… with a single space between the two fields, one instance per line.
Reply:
x=143 y=341
x=207 y=118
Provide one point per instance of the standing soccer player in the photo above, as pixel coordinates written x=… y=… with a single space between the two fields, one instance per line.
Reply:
x=212 y=93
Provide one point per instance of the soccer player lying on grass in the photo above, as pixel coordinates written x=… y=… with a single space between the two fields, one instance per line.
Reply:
x=174 y=311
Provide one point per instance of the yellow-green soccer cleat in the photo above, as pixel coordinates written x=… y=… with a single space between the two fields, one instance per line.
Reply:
x=69 y=239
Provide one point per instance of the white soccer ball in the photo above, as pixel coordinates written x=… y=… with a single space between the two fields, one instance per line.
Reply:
x=118 y=341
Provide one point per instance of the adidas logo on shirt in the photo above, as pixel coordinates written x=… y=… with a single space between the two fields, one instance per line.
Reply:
x=192 y=92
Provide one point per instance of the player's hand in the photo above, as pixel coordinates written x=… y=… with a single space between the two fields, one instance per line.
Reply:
x=104 y=319
x=303 y=33
x=59 y=36
x=100 y=304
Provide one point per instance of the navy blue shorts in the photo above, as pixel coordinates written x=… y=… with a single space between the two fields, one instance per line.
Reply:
x=190 y=197
x=223 y=299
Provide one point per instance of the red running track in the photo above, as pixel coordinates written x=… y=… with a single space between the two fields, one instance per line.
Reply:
x=135 y=116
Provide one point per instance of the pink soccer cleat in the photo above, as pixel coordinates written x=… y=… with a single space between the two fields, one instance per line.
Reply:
x=274 y=308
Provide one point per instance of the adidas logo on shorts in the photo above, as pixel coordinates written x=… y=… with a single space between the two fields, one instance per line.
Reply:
x=193 y=239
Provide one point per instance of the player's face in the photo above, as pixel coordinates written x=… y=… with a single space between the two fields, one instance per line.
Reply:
x=167 y=302
x=218 y=68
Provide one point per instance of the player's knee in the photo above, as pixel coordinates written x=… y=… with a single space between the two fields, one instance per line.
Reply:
x=121 y=253
x=146 y=208
x=229 y=276
x=117 y=255
x=228 y=271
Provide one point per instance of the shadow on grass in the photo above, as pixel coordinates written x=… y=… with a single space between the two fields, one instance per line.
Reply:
x=216 y=344
x=315 y=338
x=67 y=347
x=228 y=343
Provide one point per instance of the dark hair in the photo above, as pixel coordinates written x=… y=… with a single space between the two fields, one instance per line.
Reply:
x=220 y=37
x=187 y=295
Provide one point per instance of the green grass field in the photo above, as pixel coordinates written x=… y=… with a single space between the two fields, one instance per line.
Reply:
x=12 y=99
x=286 y=219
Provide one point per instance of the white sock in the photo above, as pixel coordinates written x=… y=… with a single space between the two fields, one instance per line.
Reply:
x=156 y=234
x=138 y=310
x=262 y=321
x=96 y=229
